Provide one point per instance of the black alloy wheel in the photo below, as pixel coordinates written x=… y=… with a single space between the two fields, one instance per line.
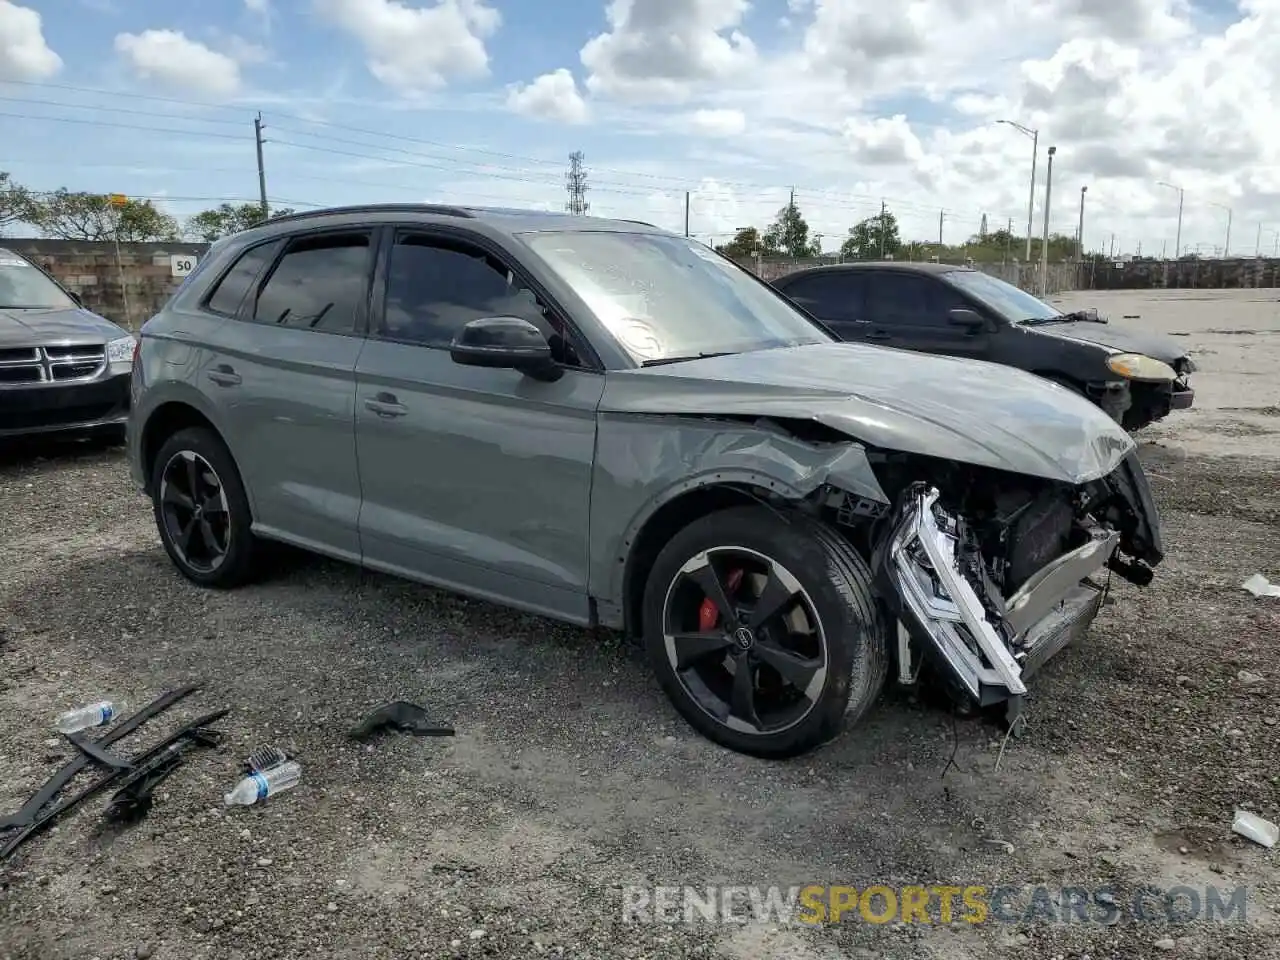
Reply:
x=201 y=509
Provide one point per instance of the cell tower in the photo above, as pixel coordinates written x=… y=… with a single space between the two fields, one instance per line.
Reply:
x=575 y=183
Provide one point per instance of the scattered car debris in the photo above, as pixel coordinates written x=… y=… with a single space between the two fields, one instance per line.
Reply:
x=264 y=758
x=402 y=716
x=1260 y=586
x=82 y=718
x=39 y=816
x=133 y=800
x=267 y=783
x=1253 y=827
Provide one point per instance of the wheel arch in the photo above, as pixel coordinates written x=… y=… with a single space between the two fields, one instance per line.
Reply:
x=676 y=509
x=162 y=423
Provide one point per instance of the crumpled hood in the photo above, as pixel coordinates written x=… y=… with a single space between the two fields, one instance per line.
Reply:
x=28 y=328
x=963 y=410
x=1155 y=345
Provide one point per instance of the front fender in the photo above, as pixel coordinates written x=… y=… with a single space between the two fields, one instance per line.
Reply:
x=644 y=462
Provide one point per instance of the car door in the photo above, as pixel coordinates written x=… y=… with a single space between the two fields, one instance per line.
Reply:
x=837 y=298
x=475 y=479
x=278 y=364
x=910 y=310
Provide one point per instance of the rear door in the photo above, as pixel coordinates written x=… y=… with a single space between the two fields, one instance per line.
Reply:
x=837 y=298
x=910 y=311
x=474 y=479
x=278 y=363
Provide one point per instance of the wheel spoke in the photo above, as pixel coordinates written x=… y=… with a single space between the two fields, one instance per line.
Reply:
x=743 y=702
x=210 y=540
x=193 y=478
x=708 y=578
x=775 y=598
x=177 y=498
x=794 y=669
x=692 y=647
x=213 y=505
x=184 y=536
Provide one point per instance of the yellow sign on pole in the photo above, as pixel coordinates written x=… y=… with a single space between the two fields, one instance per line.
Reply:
x=117 y=200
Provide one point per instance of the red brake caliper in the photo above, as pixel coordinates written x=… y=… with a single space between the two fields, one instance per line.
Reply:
x=708 y=615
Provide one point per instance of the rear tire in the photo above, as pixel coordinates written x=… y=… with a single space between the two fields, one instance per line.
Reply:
x=201 y=510
x=828 y=639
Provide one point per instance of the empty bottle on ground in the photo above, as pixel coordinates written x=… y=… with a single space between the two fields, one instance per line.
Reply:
x=266 y=783
x=81 y=718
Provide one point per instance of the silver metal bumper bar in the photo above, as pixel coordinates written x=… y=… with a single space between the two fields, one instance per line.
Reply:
x=1046 y=589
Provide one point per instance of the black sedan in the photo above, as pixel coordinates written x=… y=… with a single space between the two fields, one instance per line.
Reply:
x=62 y=368
x=1137 y=378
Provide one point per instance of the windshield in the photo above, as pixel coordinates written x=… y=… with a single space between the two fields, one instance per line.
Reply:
x=666 y=298
x=23 y=285
x=1008 y=301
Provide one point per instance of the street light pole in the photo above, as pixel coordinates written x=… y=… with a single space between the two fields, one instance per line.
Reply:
x=1177 y=240
x=1044 y=244
x=1080 y=229
x=1035 y=156
x=1226 y=246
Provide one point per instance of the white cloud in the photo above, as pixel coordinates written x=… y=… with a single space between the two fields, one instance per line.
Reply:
x=552 y=96
x=259 y=7
x=170 y=57
x=659 y=49
x=24 y=54
x=719 y=123
x=418 y=49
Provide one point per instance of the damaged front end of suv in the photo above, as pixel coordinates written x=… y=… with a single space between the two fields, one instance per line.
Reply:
x=990 y=574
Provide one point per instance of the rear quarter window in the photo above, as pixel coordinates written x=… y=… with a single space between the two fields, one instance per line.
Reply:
x=231 y=288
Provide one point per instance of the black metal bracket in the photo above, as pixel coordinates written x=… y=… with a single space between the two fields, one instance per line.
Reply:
x=403 y=716
x=95 y=752
x=135 y=796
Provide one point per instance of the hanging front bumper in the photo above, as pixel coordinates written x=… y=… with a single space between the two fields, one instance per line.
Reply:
x=988 y=656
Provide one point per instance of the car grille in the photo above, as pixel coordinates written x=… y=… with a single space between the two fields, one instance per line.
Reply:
x=19 y=365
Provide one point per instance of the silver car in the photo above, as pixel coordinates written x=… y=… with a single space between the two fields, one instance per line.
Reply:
x=611 y=425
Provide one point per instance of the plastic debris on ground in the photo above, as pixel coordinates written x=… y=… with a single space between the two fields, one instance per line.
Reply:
x=1260 y=586
x=402 y=716
x=260 y=785
x=82 y=718
x=1253 y=827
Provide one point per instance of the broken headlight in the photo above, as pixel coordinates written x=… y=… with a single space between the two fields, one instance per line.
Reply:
x=1137 y=366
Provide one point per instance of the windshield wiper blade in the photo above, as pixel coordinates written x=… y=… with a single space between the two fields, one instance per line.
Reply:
x=681 y=359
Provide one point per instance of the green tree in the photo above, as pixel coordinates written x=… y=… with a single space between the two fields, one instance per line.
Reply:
x=873 y=238
x=789 y=235
x=226 y=219
x=90 y=216
x=745 y=243
x=15 y=202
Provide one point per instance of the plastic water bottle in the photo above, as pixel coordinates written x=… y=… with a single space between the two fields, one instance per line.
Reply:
x=267 y=783
x=82 y=718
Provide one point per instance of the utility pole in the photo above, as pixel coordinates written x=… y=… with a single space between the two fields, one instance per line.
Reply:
x=262 y=172
x=1177 y=240
x=1035 y=153
x=1044 y=252
x=882 y=229
x=575 y=184
x=1080 y=229
x=1113 y=247
x=1226 y=244
x=1258 y=250
x=686 y=213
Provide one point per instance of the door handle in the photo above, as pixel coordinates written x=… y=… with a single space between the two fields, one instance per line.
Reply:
x=224 y=376
x=386 y=405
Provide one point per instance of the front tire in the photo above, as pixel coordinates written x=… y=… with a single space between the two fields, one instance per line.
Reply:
x=763 y=631
x=201 y=510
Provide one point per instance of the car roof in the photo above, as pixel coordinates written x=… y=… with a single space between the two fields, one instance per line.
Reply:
x=503 y=219
x=895 y=266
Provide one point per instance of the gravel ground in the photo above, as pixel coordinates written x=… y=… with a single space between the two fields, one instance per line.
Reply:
x=570 y=776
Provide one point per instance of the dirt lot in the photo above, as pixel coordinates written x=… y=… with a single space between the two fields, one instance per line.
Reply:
x=570 y=776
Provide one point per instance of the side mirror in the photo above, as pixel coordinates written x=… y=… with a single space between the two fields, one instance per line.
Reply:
x=507 y=343
x=969 y=319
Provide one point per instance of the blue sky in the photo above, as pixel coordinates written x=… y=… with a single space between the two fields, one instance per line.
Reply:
x=847 y=101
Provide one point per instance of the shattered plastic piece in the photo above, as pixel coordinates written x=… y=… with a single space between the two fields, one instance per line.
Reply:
x=259 y=786
x=132 y=801
x=403 y=716
x=1253 y=827
x=264 y=758
x=1260 y=586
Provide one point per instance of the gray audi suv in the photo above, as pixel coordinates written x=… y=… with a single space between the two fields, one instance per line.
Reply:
x=606 y=423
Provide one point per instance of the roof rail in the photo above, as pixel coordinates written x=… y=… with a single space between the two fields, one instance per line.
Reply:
x=441 y=209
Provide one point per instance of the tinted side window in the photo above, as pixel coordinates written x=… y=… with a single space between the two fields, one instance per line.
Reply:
x=436 y=287
x=903 y=299
x=321 y=283
x=832 y=296
x=229 y=292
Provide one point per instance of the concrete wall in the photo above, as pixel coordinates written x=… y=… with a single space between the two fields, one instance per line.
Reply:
x=93 y=271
